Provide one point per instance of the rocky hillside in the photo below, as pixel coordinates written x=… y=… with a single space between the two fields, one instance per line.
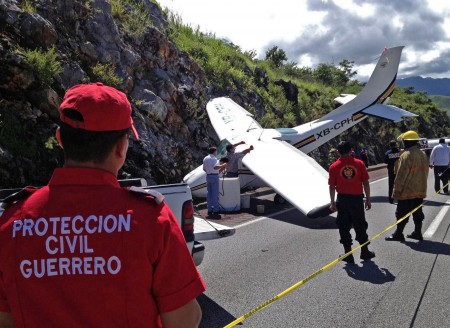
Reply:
x=167 y=89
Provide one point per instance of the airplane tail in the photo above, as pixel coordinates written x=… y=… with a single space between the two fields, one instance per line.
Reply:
x=372 y=99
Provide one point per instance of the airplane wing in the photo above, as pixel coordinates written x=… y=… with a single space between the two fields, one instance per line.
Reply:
x=291 y=173
x=229 y=119
x=344 y=98
x=388 y=112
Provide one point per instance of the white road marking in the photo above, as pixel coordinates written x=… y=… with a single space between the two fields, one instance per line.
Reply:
x=382 y=179
x=263 y=218
x=437 y=221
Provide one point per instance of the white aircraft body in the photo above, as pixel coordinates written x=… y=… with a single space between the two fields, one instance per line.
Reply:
x=279 y=158
x=431 y=143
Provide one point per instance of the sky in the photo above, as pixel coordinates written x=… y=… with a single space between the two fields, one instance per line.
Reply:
x=327 y=31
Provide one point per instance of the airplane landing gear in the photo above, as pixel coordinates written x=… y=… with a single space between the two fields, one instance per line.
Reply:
x=278 y=199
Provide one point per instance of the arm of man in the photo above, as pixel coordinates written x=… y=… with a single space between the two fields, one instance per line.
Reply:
x=433 y=152
x=6 y=320
x=187 y=316
x=249 y=149
x=332 y=197
x=220 y=167
x=366 y=187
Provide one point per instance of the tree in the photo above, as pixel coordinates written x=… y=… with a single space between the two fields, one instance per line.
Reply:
x=251 y=54
x=324 y=73
x=334 y=76
x=347 y=67
x=276 y=56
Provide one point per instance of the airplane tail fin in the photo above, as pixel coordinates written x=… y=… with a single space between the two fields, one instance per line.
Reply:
x=378 y=89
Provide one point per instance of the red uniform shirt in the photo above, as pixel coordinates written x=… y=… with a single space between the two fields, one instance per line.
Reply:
x=347 y=174
x=84 y=252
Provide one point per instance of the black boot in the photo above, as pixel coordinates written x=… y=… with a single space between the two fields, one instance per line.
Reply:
x=395 y=237
x=398 y=234
x=417 y=233
x=366 y=254
x=349 y=259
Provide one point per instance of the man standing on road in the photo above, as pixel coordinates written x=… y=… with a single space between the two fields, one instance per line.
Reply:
x=439 y=160
x=364 y=156
x=348 y=176
x=212 y=168
x=234 y=157
x=390 y=157
x=84 y=252
x=410 y=186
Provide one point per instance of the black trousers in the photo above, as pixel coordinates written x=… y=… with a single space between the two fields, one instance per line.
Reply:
x=391 y=179
x=438 y=179
x=404 y=207
x=351 y=215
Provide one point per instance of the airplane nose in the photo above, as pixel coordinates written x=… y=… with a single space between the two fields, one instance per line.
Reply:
x=187 y=177
x=197 y=181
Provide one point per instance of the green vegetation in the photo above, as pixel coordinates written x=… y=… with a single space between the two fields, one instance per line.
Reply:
x=133 y=15
x=43 y=64
x=442 y=102
x=51 y=143
x=276 y=56
x=28 y=6
x=106 y=73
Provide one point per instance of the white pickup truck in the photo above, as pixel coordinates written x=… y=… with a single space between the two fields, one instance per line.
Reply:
x=179 y=198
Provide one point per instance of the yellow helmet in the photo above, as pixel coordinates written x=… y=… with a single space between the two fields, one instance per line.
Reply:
x=332 y=150
x=409 y=135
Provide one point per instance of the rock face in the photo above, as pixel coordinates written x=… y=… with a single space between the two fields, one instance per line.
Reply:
x=167 y=89
x=290 y=90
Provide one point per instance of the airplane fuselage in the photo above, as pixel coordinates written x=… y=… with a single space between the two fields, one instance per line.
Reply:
x=280 y=164
x=305 y=137
x=310 y=136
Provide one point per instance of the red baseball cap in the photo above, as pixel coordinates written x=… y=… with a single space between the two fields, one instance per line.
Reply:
x=102 y=108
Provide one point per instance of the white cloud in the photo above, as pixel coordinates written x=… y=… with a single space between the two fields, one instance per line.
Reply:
x=248 y=23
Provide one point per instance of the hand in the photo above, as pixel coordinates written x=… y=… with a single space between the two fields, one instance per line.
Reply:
x=333 y=207
x=368 y=205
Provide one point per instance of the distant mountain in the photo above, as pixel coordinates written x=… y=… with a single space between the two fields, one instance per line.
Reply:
x=428 y=84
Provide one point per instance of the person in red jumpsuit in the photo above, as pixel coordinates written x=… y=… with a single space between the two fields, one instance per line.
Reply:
x=348 y=176
x=85 y=252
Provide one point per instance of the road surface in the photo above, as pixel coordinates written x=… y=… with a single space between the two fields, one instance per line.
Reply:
x=405 y=285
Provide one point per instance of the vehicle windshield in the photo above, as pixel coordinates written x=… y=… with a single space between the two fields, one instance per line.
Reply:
x=222 y=148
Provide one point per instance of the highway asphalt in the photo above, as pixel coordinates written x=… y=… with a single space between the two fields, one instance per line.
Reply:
x=406 y=284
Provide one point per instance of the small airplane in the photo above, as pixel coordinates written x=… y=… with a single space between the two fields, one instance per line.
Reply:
x=279 y=158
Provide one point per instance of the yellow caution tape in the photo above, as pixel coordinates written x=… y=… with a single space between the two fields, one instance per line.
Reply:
x=321 y=270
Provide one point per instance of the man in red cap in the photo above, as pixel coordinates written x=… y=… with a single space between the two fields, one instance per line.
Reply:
x=84 y=252
x=349 y=178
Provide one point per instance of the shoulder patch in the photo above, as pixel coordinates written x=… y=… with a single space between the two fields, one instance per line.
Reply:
x=159 y=198
x=16 y=195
